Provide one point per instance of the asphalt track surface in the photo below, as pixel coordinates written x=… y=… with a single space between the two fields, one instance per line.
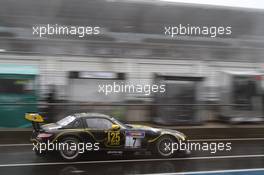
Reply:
x=246 y=157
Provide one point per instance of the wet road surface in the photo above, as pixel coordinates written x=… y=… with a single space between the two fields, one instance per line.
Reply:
x=19 y=159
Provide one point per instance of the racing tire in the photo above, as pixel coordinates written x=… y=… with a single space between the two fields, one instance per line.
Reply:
x=163 y=147
x=68 y=154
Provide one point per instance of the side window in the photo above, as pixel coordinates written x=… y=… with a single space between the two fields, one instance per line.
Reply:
x=98 y=123
x=76 y=124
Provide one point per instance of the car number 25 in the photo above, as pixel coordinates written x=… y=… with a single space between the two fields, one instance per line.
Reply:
x=113 y=138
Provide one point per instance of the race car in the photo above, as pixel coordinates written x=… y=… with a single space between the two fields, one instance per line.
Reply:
x=83 y=132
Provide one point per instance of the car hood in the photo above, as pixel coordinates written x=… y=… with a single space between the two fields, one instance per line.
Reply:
x=159 y=130
x=144 y=128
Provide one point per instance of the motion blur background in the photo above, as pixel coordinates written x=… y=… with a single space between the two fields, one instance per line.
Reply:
x=207 y=79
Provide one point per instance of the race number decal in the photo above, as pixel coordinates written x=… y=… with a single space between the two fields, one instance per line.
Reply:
x=134 y=138
x=113 y=138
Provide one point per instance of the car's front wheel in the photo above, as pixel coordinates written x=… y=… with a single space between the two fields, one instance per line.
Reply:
x=69 y=149
x=164 y=147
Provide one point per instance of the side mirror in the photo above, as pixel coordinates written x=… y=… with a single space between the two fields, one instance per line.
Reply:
x=115 y=127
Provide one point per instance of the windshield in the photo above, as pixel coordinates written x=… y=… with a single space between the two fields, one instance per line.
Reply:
x=67 y=120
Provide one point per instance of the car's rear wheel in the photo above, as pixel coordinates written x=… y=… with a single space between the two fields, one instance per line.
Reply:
x=68 y=151
x=164 y=147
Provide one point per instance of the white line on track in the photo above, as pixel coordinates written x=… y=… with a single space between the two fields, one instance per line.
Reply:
x=191 y=140
x=135 y=160
x=227 y=139
x=19 y=144
x=210 y=172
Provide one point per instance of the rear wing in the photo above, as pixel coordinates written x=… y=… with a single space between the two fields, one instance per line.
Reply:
x=35 y=118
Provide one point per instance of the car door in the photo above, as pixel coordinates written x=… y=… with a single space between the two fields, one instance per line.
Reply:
x=101 y=129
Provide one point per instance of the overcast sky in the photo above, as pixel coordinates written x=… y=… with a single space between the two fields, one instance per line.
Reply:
x=257 y=4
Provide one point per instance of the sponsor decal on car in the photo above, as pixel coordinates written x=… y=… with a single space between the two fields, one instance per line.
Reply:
x=134 y=139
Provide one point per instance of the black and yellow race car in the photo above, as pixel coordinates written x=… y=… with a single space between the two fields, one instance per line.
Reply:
x=82 y=132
